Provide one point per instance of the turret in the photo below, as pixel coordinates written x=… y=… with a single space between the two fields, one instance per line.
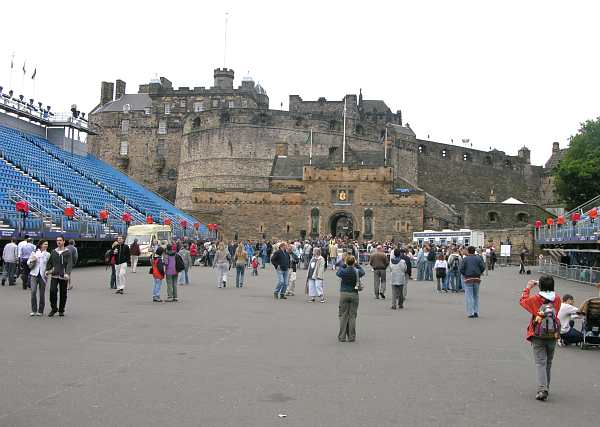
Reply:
x=525 y=154
x=555 y=147
x=224 y=78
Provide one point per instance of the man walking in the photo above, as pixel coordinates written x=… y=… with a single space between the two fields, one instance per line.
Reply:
x=122 y=257
x=281 y=262
x=472 y=267
x=408 y=262
x=59 y=268
x=379 y=262
x=24 y=251
x=10 y=258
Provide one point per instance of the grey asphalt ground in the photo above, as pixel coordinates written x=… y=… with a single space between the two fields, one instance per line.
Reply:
x=236 y=357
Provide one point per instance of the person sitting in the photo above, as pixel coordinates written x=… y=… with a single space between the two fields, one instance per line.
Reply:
x=566 y=314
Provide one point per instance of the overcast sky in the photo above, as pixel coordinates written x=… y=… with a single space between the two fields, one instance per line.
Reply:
x=502 y=73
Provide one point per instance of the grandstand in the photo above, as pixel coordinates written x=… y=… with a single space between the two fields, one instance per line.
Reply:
x=52 y=180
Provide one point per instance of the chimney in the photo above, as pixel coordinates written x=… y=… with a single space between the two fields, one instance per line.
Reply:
x=555 y=147
x=119 y=89
x=106 y=92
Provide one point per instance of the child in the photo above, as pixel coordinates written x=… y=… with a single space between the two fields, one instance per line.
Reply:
x=441 y=269
x=158 y=273
x=294 y=260
x=254 y=264
x=544 y=328
x=566 y=314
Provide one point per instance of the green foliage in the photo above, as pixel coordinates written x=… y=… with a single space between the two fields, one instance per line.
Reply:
x=577 y=178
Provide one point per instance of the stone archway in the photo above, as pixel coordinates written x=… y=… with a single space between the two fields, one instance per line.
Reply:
x=341 y=224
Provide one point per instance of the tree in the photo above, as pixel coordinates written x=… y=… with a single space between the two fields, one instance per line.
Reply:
x=577 y=177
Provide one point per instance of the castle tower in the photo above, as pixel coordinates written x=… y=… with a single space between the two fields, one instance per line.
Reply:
x=224 y=78
x=525 y=154
x=555 y=147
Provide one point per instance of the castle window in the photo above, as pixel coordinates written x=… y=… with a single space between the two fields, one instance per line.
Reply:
x=215 y=103
x=125 y=126
x=466 y=157
x=368 y=219
x=493 y=217
x=182 y=104
x=196 y=123
x=244 y=103
x=332 y=124
x=314 y=221
x=198 y=107
x=162 y=127
x=444 y=153
x=421 y=149
x=167 y=108
x=147 y=111
x=487 y=160
x=124 y=148
x=231 y=104
x=522 y=217
x=508 y=164
x=160 y=148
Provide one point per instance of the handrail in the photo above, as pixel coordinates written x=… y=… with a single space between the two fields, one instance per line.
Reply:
x=576 y=273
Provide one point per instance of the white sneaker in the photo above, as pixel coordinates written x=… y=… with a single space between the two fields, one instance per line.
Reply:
x=32 y=314
x=38 y=314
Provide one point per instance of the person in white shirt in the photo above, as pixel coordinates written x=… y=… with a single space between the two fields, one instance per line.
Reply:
x=10 y=261
x=441 y=270
x=566 y=314
x=37 y=271
x=24 y=251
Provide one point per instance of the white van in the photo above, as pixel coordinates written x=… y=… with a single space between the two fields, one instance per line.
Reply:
x=146 y=234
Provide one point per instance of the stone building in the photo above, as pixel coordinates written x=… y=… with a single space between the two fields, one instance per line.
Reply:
x=225 y=143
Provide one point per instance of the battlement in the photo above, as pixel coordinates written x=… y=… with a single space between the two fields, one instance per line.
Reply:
x=224 y=78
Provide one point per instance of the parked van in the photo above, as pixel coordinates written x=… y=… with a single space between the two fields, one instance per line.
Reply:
x=146 y=234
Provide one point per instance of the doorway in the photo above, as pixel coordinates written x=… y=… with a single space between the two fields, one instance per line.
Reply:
x=342 y=225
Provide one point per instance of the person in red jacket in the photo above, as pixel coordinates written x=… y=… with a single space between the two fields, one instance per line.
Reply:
x=193 y=252
x=543 y=347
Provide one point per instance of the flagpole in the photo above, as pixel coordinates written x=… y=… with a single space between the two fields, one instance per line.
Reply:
x=344 y=137
x=23 y=79
x=385 y=148
x=311 y=148
x=12 y=66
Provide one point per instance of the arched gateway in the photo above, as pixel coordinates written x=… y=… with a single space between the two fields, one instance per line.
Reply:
x=341 y=224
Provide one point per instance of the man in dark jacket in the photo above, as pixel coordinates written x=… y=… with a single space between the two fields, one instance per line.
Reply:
x=122 y=257
x=59 y=268
x=281 y=262
x=472 y=267
x=379 y=261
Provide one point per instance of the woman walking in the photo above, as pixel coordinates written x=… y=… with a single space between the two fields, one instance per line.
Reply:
x=350 y=274
x=240 y=259
x=314 y=278
x=174 y=266
x=441 y=270
x=221 y=264
x=134 y=251
x=37 y=265
x=398 y=270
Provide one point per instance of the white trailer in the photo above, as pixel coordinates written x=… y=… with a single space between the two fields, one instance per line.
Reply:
x=464 y=236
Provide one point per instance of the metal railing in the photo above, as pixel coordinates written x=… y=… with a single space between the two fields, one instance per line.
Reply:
x=581 y=231
x=576 y=273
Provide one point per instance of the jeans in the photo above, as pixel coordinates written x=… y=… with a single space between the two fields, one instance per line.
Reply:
x=440 y=282
x=543 y=353
x=171 y=286
x=183 y=277
x=397 y=295
x=421 y=267
x=24 y=269
x=113 y=277
x=379 y=282
x=572 y=336
x=315 y=288
x=347 y=313
x=222 y=269
x=156 y=290
x=57 y=285
x=38 y=283
x=240 y=270
x=429 y=270
x=282 y=277
x=472 y=298
x=453 y=280
x=9 y=271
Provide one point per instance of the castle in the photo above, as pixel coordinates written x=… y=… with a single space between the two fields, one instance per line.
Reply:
x=223 y=155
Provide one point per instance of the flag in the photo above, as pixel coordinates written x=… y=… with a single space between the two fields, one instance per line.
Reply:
x=24 y=71
x=34 y=73
x=12 y=62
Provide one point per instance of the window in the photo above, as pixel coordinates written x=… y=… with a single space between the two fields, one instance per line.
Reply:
x=162 y=127
x=182 y=104
x=198 y=107
x=245 y=103
x=231 y=104
x=368 y=218
x=421 y=149
x=493 y=217
x=314 y=221
x=444 y=153
x=125 y=126
x=215 y=103
x=124 y=148
x=196 y=123
x=147 y=111
x=508 y=164
x=167 y=108
x=466 y=157
x=160 y=148
x=332 y=124
x=522 y=217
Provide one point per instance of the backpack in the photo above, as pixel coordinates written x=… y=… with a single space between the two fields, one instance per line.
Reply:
x=548 y=326
x=455 y=263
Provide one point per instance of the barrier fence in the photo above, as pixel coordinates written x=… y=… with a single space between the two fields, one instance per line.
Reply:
x=576 y=273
